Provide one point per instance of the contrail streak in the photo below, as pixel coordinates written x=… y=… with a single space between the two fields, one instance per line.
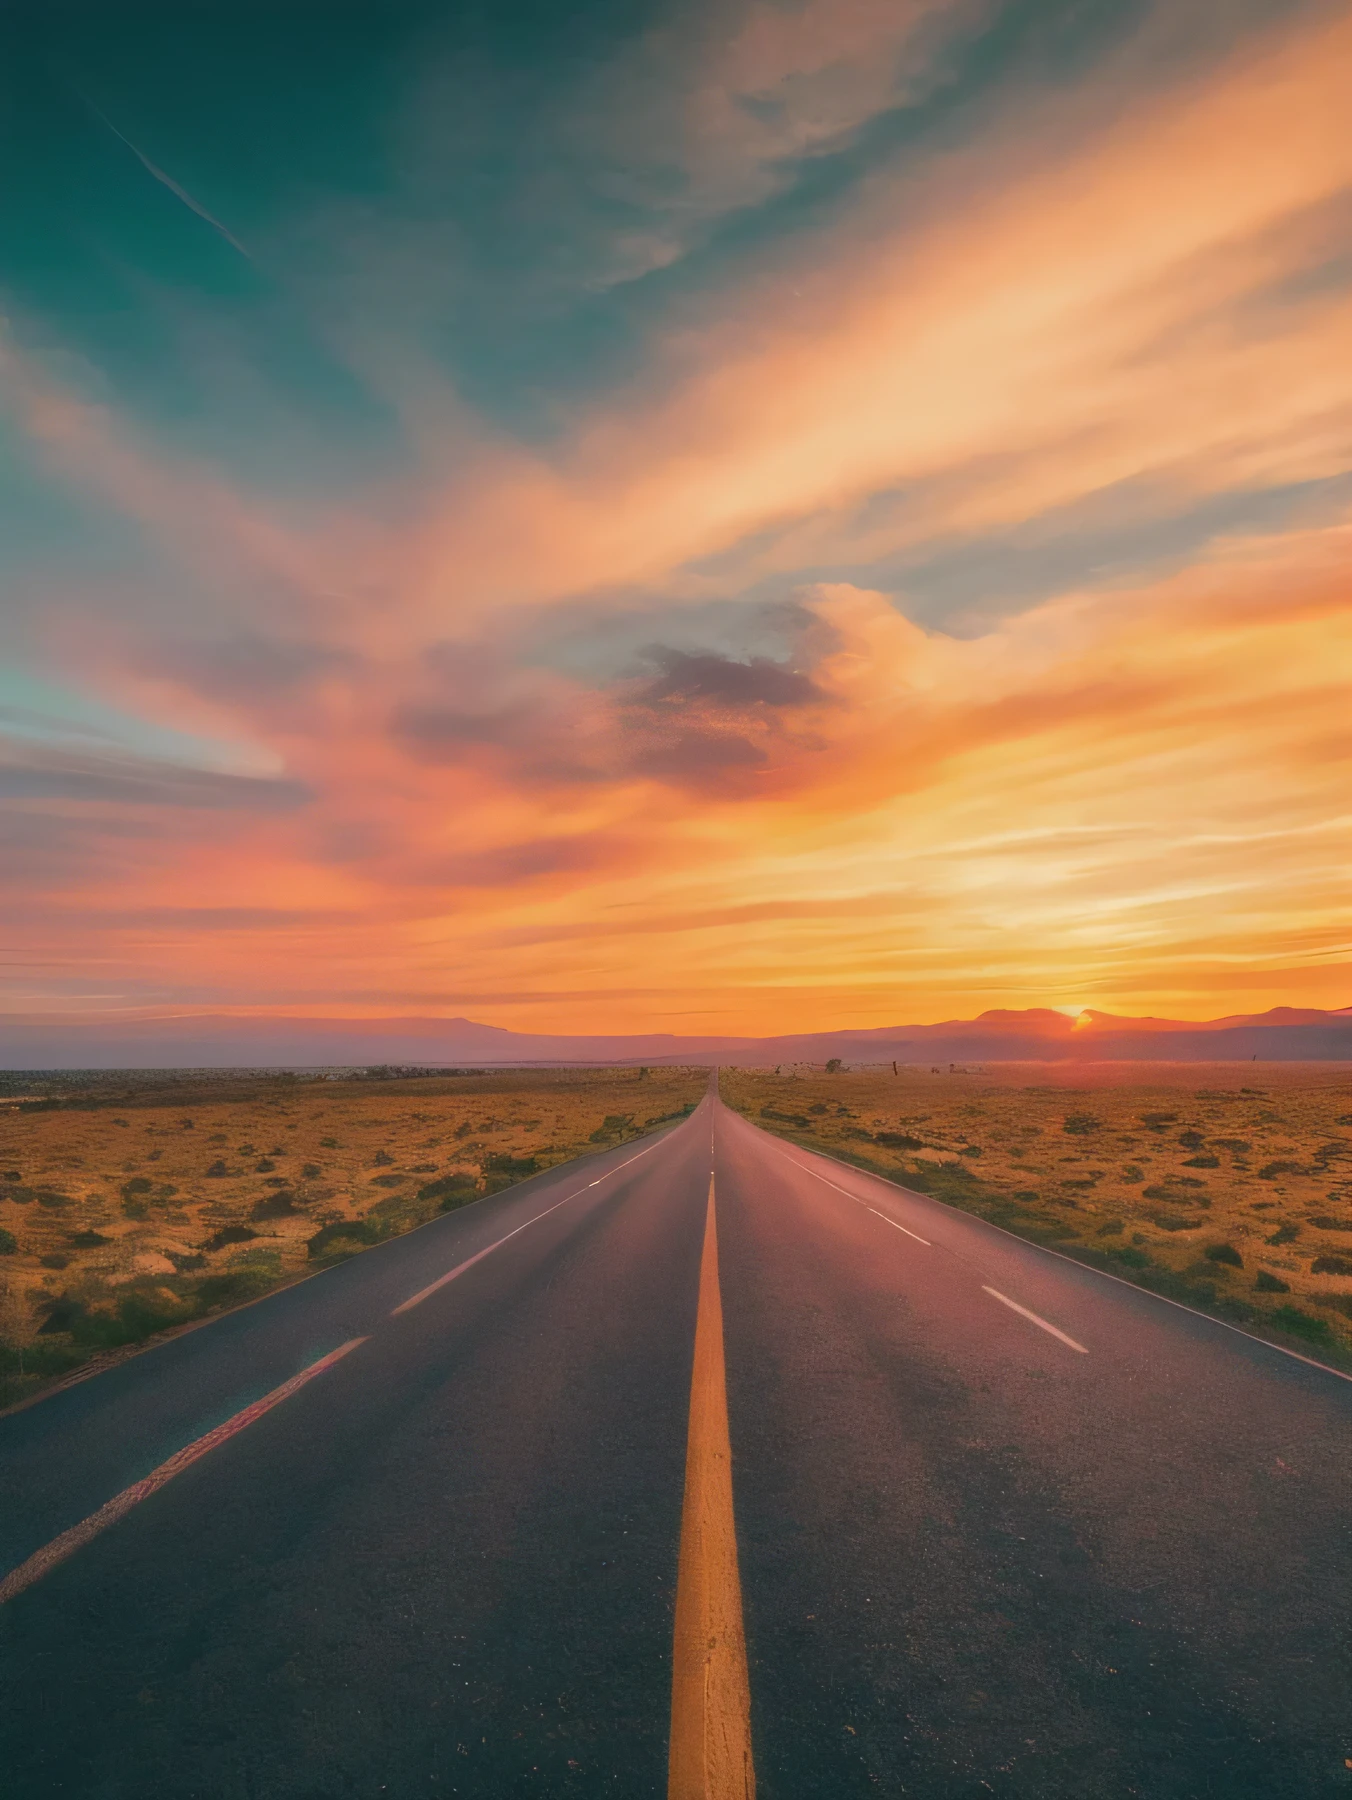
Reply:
x=169 y=182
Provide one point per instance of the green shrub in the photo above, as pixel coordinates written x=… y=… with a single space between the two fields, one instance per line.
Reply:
x=229 y=1234
x=1109 y=1228
x=350 y=1231
x=142 y=1314
x=9 y=1244
x=1205 y=1161
x=1302 y=1324
x=280 y=1205
x=87 y=1240
x=55 y=1259
x=1332 y=1265
x=502 y=1162
x=1224 y=1253
x=233 y=1286
x=451 y=1191
x=1285 y=1234
x=1325 y=1222
x=1270 y=1284
x=1130 y=1257
x=896 y=1140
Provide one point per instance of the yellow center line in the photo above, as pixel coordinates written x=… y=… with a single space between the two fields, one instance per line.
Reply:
x=710 y=1693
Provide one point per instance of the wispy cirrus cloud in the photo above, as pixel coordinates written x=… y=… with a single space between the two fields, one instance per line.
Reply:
x=167 y=181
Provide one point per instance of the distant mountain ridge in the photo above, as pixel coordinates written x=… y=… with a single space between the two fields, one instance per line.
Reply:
x=1036 y=1034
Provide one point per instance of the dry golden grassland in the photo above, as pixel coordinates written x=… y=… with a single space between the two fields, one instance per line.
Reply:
x=1227 y=1186
x=128 y=1210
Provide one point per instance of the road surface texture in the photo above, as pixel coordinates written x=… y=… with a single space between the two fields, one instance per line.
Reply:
x=1002 y=1525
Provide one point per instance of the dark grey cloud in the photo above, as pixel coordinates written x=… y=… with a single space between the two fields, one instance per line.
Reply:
x=724 y=682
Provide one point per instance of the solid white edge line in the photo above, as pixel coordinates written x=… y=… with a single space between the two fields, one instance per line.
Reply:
x=479 y=1255
x=1312 y=1362
x=34 y=1567
x=1033 y=1317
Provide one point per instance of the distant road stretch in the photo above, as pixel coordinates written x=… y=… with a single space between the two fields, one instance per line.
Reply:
x=704 y=1467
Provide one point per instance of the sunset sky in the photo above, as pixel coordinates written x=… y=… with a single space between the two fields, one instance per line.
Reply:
x=732 y=517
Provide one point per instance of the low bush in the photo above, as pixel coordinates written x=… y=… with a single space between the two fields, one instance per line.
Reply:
x=1325 y=1222
x=502 y=1162
x=9 y=1244
x=1081 y=1124
x=1224 y=1253
x=350 y=1231
x=451 y=1191
x=280 y=1205
x=1130 y=1257
x=1285 y=1234
x=233 y=1286
x=613 y=1125
x=229 y=1234
x=1302 y=1324
x=1332 y=1265
x=1270 y=1284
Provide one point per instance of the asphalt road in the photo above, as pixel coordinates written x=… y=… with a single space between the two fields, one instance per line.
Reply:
x=977 y=1555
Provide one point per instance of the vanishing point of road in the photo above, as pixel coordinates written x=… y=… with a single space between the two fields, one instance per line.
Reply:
x=704 y=1467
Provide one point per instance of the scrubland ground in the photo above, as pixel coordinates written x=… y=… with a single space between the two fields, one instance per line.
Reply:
x=1227 y=1186
x=130 y=1209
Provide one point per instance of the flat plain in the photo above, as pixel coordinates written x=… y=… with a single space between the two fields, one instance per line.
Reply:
x=1225 y=1186
x=131 y=1207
